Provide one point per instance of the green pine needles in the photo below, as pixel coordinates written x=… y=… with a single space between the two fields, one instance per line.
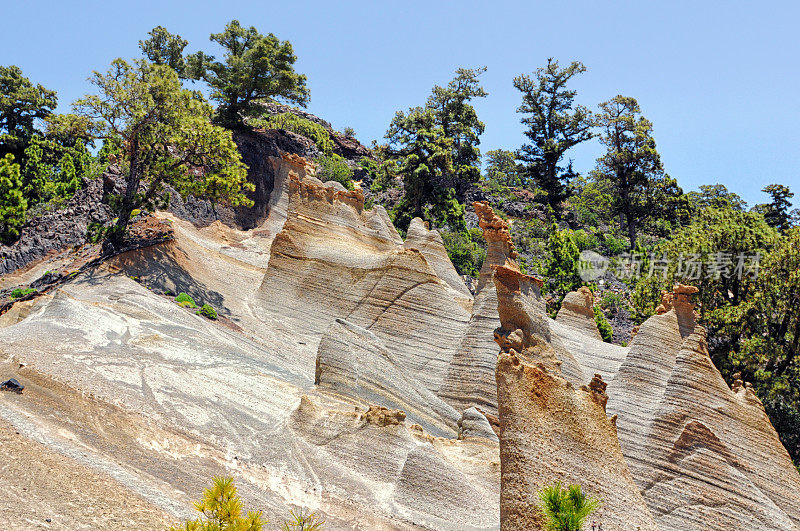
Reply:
x=222 y=510
x=566 y=509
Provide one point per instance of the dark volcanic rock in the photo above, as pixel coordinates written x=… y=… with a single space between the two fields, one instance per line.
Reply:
x=256 y=148
x=57 y=230
x=12 y=385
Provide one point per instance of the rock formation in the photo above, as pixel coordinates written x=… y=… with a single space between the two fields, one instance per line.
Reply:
x=470 y=378
x=352 y=373
x=549 y=430
x=703 y=455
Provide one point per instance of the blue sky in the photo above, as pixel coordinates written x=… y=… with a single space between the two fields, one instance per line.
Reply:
x=719 y=80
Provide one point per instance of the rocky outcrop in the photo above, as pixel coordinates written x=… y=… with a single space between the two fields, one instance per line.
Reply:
x=347 y=147
x=58 y=230
x=322 y=290
x=549 y=430
x=354 y=362
x=470 y=379
x=704 y=456
x=351 y=373
x=577 y=312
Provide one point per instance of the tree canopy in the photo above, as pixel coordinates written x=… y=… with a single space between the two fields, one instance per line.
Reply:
x=21 y=104
x=165 y=48
x=554 y=125
x=777 y=212
x=631 y=163
x=459 y=122
x=255 y=68
x=166 y=137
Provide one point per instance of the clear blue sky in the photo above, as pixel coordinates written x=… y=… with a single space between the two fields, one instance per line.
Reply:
x=718 y=79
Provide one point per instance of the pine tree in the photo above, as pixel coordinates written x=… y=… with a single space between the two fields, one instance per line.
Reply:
x=562 y=262
x=12 y=202
x=554 y=125
x=222 y=511
x=166 y=137
x=566 y=509
x=256 y=68
x=631 y=163
x=459 y=122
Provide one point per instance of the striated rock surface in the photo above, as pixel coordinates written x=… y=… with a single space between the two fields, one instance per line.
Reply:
x=350 y=372
x=470 y=378
x=704 y=456
x=577 y=312
x=140 y=390
x=549 y=430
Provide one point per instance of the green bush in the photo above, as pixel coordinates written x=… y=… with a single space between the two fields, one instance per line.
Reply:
x=185 y=301
x=12 y=203
x=585 y=240
x=612 y=301
x=18 y=293
x=562 y=263
x=296 y=124
x=603 y=325
x=208 y=311
x=465 y=250
x=335 y=168
x=566 y=509
x=615 y=245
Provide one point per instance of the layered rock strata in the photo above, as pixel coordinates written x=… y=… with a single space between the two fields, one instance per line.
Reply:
x=551 y=431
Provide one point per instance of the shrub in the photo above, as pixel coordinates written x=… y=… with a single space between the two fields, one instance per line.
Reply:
x=562 y=263
x=603 y=325
x=208 y=311
x=349 y=132
x=18 y=293
x=566 y=509
x=585 y=240
x=297 y=124
x=303 y=521
x=335 y=168
x=185 y=301
x=615 y=245
x=12 y=203
x=465 y=250
x=221 y=508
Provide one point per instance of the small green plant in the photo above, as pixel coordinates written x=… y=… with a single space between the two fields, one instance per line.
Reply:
x=612 y=301
x=349 y=132
x=566 y=509
x=603 y=325
x=185 y=301
x=335 y=168
x=221 y=509
x=18 y=293
x=303 y=521
x=208 y=312
x=614 y=245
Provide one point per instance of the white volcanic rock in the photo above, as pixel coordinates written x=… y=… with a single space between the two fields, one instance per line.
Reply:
x=351 y=373
x=704 y=456
x=162 y=399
